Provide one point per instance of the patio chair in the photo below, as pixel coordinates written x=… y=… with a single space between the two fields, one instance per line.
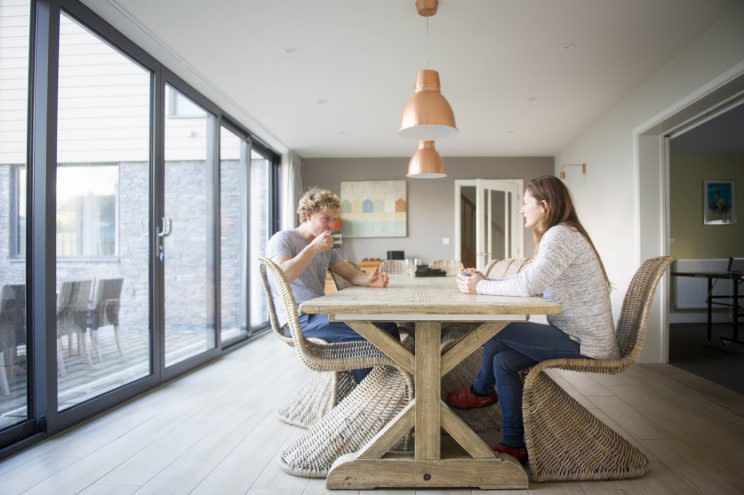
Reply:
x=451 y=267
x=73 y=303
x=105 y=311
x=394 y=267
x=385 y=392
x=564 y=440
x=12 y=328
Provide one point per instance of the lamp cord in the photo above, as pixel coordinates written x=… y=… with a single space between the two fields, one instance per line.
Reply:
x=427 y=44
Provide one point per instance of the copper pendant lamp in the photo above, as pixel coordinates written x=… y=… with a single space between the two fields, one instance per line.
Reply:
x=426 y=162
x=427 y=115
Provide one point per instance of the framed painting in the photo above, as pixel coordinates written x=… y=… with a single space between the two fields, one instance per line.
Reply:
x=719 y=205
x=376 y=208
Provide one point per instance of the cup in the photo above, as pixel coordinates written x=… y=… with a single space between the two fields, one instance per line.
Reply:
x=337 y=238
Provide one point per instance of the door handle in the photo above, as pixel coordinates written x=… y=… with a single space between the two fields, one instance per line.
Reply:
x=167 y=227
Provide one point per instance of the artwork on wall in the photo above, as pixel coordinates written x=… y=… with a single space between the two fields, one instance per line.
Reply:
x=719 y=202
x=374 y=208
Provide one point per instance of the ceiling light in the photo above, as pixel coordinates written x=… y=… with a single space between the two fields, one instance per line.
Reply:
x=426 y=163
x=427 y=115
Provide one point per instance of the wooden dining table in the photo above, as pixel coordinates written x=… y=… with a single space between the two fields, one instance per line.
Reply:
x=429 y=302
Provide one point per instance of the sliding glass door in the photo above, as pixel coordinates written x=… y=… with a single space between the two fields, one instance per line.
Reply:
x=103 y=203
x=14 y=341
x=186 y=228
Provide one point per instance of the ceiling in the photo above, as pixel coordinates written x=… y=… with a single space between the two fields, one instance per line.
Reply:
x=722 y=135
x=330 y=77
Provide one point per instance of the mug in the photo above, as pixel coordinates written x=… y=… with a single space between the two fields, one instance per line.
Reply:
x=337 y=238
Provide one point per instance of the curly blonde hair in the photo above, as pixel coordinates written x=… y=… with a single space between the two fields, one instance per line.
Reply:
x=314 y=200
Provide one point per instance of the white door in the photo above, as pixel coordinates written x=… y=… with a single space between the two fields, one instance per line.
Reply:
x=499 y=231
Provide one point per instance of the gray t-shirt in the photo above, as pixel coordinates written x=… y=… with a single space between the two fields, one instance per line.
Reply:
x=311 y=282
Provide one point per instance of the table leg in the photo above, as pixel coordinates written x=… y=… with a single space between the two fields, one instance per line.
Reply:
x=736 y=310
x=428 y=393
x=710 y=308
x=374 y=467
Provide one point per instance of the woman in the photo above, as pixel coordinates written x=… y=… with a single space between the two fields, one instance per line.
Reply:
x=566 y=269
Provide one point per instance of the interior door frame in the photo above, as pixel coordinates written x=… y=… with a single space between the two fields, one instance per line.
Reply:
x=516 y=226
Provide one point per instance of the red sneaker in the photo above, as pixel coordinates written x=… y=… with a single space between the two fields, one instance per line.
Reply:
x=519 y=453
x=464 y=398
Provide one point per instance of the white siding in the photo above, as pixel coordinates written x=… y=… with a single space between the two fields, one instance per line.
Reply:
x=104 y=99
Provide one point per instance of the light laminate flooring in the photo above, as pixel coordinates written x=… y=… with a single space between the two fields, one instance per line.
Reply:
x=213 y=431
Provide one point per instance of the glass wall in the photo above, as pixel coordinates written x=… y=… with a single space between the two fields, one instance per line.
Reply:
x=189 y=328
x=103 y=191
x=99 y=311
x=14 y=351
x=260 y=230
x=234 y=262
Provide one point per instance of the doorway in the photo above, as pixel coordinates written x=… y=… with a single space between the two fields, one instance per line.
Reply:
x=487 y=222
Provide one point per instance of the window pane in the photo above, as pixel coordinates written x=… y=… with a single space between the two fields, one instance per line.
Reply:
x=14 y=49
x=189 y=329
x=234 y=262
x=86 y=210
x=260 y=230
x=103 y=206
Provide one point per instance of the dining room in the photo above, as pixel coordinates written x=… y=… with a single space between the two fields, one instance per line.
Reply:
x=150 y=153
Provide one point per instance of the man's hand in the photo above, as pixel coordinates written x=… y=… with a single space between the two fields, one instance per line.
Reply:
x=322 y=242
x=377 y=279
x=467 y=280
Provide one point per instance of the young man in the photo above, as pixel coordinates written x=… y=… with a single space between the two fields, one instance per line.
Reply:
x=305 y=254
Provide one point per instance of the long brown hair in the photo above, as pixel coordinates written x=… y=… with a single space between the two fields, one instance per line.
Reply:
x=560 y=209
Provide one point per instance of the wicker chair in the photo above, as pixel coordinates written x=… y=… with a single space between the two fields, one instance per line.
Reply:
x=324 y=389
x=394 y=267
x=452 y=267
x=564 y=440
x=508 y=267
x=381 y=396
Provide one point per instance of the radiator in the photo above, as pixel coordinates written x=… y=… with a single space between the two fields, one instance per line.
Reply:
x=691 y=293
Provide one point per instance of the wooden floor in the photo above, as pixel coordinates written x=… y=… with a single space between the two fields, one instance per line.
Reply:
x=213 y=432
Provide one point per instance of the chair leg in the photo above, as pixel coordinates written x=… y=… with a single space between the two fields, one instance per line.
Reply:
x=116 y=339
x=4 y=387
x=316 y=398
x=81 y=337
x=350 y=425
x=94 y=343
x=567 y=442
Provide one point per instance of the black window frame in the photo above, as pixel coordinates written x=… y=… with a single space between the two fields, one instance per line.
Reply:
x=44 y=418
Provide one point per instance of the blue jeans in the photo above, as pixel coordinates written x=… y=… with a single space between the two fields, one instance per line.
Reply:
x=318 y=326
x=515 y=348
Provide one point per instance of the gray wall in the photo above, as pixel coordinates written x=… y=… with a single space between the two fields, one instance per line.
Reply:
x=431 y=213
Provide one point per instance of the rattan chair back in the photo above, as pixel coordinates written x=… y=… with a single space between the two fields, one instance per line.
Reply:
x=633 y=323
x=394 y=267
x=452 y=267
x=273 y=318
x=508 y=267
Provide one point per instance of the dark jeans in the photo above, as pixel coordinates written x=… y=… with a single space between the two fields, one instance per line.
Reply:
x=516 y=348
x=318 y=326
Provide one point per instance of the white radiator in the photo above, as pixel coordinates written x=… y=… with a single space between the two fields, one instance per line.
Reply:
x=691 y=292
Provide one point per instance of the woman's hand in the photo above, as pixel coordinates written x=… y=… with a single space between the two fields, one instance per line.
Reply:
x=377 y=279
x=467 y=280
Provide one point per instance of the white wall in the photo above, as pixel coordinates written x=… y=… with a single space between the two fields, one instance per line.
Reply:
x=607 y=196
